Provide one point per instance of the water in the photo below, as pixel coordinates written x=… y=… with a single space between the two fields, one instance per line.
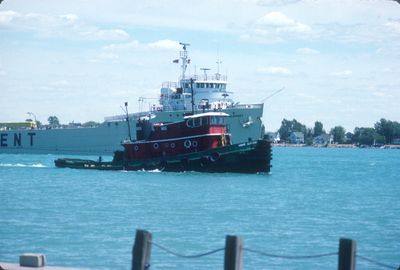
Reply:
x=312 y=198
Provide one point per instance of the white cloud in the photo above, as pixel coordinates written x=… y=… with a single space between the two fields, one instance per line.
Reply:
x=379 y=50
x=100 y=34
x=6 y=17
x=69 y=18
x=59 y=83
x=306 y=51
x=165 y=44
x=270 y=3
x=31 y=21
x=275 y=19
x=275 y=27
x=282 y=23
x=342 y=74
x=387 y=70
x=108 y=56
x=379 y=94
x=134 y=44
x=61 y=26
x=393 y=25
x=275 y=70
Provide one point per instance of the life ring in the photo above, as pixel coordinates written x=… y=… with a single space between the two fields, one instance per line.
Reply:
x=155 y=146
x=214 y=157
x=187 y=144
x=172 y=145
x=136 y=148
x=194 y=143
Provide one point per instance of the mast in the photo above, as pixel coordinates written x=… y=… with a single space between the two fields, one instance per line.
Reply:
x=127 y=120
x=191 y=87
x=184 y=57
x=219 y=62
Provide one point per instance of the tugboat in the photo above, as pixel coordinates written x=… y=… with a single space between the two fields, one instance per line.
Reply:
x=200 y=142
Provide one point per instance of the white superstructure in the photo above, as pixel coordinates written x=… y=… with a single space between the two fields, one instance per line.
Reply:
x=201 y=91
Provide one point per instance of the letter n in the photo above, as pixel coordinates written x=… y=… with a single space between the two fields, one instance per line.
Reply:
x=17 y=139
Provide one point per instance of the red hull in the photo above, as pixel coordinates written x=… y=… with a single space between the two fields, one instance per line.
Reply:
x=172 y=147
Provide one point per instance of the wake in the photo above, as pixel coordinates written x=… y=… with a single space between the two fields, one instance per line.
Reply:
x=37 y=165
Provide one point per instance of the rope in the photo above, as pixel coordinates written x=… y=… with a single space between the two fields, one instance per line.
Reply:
x=378 y=263
x=291 y=257
x=298 y=257
x=187 y=256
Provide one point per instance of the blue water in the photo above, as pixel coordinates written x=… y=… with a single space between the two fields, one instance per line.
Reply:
x=312 y=198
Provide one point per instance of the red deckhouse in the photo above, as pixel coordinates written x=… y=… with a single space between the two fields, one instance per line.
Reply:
x=195 y=133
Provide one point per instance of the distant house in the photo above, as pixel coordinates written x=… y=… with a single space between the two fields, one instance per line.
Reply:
x=396 y=141
x=273 y=137
x=323 y=139
x=297 y=138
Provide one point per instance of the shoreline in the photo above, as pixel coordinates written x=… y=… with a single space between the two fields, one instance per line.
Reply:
x=386 y=146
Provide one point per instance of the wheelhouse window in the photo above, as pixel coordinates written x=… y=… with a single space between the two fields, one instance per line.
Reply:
x=197 y=122
x=204 y=121
x=217 y=120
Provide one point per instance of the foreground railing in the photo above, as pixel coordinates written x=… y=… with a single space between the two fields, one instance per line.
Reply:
x=234 y=251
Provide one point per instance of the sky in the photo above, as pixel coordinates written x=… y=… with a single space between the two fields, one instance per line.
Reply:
x=80 y=60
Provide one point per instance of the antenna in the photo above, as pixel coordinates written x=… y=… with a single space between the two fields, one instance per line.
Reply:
x=219 y=62
x=184 y=45
x=273 y=94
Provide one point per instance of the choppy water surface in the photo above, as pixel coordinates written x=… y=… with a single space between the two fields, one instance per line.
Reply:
x=312 y=198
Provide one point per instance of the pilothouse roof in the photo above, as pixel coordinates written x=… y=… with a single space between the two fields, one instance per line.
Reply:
x=206 y=114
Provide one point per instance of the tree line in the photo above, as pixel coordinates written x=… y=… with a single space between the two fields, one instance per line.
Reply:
x=383 y=132
x=54 y=122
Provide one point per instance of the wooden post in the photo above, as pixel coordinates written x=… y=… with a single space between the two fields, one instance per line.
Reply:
x=233 y=253
x=347 y=254
x=141 y=250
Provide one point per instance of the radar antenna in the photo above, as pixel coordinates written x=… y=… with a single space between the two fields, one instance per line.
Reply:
x=205 y=72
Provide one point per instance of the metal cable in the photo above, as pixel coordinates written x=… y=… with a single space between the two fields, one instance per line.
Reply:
x=378 y=263
x=291 y=257
x=187 y=256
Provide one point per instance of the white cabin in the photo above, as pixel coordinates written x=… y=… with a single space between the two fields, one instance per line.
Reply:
x=202 y=91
